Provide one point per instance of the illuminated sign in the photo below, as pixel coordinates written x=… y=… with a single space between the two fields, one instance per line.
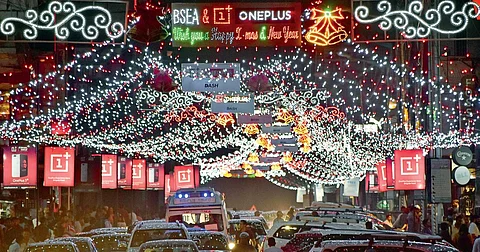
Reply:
x=81 y=20
x=59 y=166
x=235 y=103
x=19 y=167
x=236 y=24
x=327 y=29
x=215 y=78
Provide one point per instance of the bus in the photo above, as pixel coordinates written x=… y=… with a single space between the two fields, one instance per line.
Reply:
x=202 y=208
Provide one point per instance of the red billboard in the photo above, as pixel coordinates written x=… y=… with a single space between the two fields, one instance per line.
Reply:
x=19 y=167
x=184 y=177
x=168 y=189
x=236 y=24
x=138 y=174
x=155 y=176
x=409 y=170
x=390 y=171
x=59 y=166
x=124 y=172
x=382 y=176
x=371 y=182
x=109 y=171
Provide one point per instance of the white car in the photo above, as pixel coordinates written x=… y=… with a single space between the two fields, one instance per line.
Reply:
x=169 y=245
x=285 y=231
x=383 y=245
x=145 y=232
x=52 y=246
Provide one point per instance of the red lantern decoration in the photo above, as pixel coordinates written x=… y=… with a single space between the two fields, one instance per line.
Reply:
x=259 y=83
x=162 y=82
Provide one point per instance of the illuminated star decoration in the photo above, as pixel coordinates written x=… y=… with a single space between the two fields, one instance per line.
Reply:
x=327 y=29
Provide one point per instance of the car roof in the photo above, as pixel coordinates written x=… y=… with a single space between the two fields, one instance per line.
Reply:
x=169 y=242
x=111 y=235
x=74 y=238
x=334 y=244
x=52 y=243
x=376 y=234
x=160 y=225
x=207 y=233
x=342 y=226
x=248 y=220
x=113 y=229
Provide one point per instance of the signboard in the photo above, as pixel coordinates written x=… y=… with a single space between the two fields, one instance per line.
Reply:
x=390 y=171
x=461 y=175
x=181 y=201
x=254 y=119
x=233 y=103
x=269 y=159
x=276 y=129
x=440 y=182
x=382 y=176
x=184 y=177
x=409 y=170
x=155 y=176
x=263 y=168
x=59 y=166
x=462 y=155
x=286 y=148
x=215 y=78
x=138 y=174
x=124 y=172
x=371 y=182
x=351 y=187
x=236 y=24
x=282 y=141
x=19 y=167
x=109 y=171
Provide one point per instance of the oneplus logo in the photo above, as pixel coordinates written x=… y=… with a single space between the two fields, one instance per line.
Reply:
x=184 y=176
x=59 y=162
x=137 y=171
x=410 y=165
x=107 y=168
x=222 y=15
x=383 y=171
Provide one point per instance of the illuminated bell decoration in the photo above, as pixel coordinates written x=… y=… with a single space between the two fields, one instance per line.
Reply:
x=275 y=167
x=263 y=142
x=301 y=129
x=246 y=166
x=259 y=83
x=249 y=171
x=285 y=116
x=305 y=139
x=287 y=158
x=225 y=119
x=148 y=29
x=162 y=82
x=327 y=29
x=251 y=129
x=253 y=157
x=259 y=174
x=227 y=175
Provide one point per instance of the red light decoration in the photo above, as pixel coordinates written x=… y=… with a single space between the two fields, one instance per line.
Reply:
x=327 y=29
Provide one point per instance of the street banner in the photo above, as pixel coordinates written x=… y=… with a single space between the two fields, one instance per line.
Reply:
x=283 y=141
x=371 y=182
x=59 y=166
x=409 y=170
x=214 y=78
x=233 y=103
x=155 y=176
x=109 y=171
x=276 y=129
x=210 y=85
x=254 y=119
x=351 y=187
x=184 y=177
x=390 y=171
x=19 y=167
x=124 y=172
x=138 y=174
x=382 y=176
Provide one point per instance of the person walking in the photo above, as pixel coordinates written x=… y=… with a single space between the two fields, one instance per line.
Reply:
x=413 y=220
x=473 y=228
x=388 y=222
x=401 y=223
x=271 y=245
x=291 y=214
x=279 y=218
x=244 y=245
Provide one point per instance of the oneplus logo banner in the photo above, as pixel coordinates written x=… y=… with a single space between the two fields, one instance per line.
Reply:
x=59 y=166
x=409 y=170
x=109 y=171
x=382 y=176
x=19 y=167
x=184 y=176
x=138 y=174
x=124 y=172
x=155 y=176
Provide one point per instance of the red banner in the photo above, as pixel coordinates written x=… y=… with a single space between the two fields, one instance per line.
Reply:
x=184 y=177
x=382 y=176
x=138 y=174
x=155 y=176
x=109 y=171
x=19 y=167
x=59 y=166
x=409 y=170
x=167 y=186
x=371 y=183
x=390 y=171
x=124 y=172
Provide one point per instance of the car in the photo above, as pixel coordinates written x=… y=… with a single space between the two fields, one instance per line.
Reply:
x=119 y=230
x=169 y=245
x=212 y=241
x=92 y=233
x=257 y=226
x=284 y=232
x=302 y=242
x=131 y=227
x=111 y=242
x=52 y=246
x=146 y=231
x=84 y=244
x=382 y=245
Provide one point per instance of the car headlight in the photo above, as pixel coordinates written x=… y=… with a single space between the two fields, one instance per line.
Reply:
x=231 y=245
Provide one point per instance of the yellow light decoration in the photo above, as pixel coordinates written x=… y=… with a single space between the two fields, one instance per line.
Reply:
x=287 y=158
x=301 y=128
x=251 y=129
x=263 y=142
x=249 y=171
x=253 y=157
x=327 y=29
x=305 y=139
x=246 y=166
x=225 y=118
x=306 y=148
x=285 y=116
x=227 y=175
x=275 y=167
x=259 y=174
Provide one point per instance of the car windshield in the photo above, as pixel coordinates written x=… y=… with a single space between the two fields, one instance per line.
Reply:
x=83 y=246
x=142 y=236
x=207 y=221
x=256 y=227
x=288 y=231
x=211 y=242
x=111 y=243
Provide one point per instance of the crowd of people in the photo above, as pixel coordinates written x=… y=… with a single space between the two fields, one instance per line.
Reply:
x=17 y=233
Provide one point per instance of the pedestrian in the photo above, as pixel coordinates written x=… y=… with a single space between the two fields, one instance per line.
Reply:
x=456 y=224
x=413 y=220
x=245 y=228
x=476 y=246
x=388 y=222
x=427 y=227
x=401 y=223
x=26 y=240
x=271 y=245
x=15 y=244
x=445 y=232
x=244 y=245
x=473 y=228
x=42 y=232
x=279 y=218
x=291 y=213
x=463 y=240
